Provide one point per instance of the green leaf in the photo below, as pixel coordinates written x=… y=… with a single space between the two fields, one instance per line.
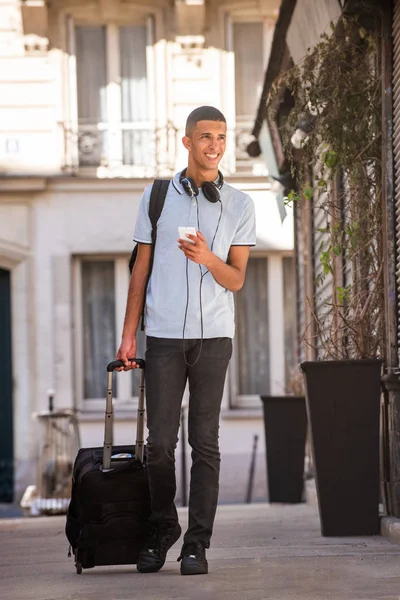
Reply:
x=293 y=196
x=308 y=193
x=322 y=183
x=340 y=294
x=343 y=294
x=330 y=158
x=325 y=259
x=337 y=250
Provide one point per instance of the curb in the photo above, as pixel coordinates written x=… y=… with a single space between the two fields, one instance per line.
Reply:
x=390 y=528
x=10 y=511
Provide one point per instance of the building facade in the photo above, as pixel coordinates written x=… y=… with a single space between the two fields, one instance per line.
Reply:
x=299 y=26
x=93 y=100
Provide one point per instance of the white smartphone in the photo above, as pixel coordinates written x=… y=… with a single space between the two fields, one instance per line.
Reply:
x=183 y=231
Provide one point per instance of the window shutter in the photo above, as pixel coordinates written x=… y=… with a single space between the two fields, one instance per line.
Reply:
x=91 y=73
x=99 y=340
x=91 y=88
x=252 y=331
x=248 y=48
x=135 y=94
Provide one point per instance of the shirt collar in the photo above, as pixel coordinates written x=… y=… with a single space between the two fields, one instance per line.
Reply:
x=177 y=184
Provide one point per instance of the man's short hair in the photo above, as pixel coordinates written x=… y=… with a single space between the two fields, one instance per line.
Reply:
x=203 y=113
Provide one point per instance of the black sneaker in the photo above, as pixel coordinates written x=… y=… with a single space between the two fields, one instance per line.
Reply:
x=160 y=540
x=193 y=557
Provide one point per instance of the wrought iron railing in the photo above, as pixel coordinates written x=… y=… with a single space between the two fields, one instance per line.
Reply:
x=141 y=150
x=130 y=149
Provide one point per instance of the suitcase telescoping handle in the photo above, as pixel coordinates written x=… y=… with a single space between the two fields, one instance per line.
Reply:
x=108 y=430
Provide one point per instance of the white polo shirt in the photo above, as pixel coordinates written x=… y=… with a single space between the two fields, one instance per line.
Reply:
x=172 y=282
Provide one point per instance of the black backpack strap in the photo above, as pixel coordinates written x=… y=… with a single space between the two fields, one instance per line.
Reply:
x=157 y=199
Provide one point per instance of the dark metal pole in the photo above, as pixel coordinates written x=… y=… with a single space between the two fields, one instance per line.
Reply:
x=251 y=472
x=50 y=395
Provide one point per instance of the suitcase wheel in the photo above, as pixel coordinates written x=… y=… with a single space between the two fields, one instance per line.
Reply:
x=78 y=564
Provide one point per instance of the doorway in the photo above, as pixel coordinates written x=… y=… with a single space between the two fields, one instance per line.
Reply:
x=6 y=399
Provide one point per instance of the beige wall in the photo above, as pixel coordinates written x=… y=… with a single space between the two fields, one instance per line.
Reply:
x=37 y=71
x=40 y=232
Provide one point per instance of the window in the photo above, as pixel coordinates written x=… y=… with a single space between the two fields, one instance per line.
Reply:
x=248 y=47
x=101 y=286
x=115 y=124
x=248 y=43
x=252 y=339
x=290 y=326
x=92 y=101
x=99 y=335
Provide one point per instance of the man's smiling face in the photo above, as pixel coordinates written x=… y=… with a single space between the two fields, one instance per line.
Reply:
x=206 y=144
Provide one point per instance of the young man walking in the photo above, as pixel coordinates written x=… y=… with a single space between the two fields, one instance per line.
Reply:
x=189 y=323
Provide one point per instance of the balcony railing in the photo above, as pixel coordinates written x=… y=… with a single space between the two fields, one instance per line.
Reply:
x=121 y=149
x=141 y=150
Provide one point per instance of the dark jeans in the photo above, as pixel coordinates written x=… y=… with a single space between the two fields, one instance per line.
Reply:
x=166 y=376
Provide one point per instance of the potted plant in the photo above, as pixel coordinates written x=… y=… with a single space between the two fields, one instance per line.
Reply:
x=285 y=426
x=332 y=138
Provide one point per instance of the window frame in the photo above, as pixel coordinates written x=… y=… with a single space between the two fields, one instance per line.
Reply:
x=254 y=166
x=244 y=400
x=147 y=16
x=276 y=336
x=124 y=399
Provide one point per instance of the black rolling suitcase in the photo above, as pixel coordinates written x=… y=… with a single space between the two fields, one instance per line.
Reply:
x=108 y=516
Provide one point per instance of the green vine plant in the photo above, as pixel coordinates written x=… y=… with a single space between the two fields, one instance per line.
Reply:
x=332 y=143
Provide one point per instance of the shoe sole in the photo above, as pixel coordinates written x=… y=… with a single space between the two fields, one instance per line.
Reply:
x=192 y=569
x=154 y=569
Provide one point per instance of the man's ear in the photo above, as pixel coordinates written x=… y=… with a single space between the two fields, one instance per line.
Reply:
x=187 y=142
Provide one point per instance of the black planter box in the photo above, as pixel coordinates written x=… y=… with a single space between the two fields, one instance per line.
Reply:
x=285 y=423
x=343 y=399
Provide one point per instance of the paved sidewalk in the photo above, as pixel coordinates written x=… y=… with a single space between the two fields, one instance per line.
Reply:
x=259 y=552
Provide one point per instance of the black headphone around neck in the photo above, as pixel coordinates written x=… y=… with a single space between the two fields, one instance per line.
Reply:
x=211 y=190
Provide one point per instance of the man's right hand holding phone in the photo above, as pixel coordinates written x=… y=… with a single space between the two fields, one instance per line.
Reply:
x=184 y=231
